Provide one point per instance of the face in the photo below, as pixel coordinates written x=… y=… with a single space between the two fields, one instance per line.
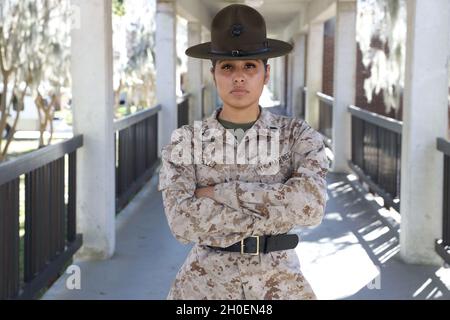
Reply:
x=240 y=82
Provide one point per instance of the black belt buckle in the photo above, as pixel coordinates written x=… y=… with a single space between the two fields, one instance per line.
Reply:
x=257 y=246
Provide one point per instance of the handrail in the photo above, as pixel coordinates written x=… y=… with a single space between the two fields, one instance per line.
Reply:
x=442 y=244
x=376 y=119
x=443 y=145
x=10 y=170
x=325 y=98
x=374 y=186
x=131 y=119
x=183 y=97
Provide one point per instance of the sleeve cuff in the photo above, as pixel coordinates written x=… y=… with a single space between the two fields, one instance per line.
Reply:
x=226 y=194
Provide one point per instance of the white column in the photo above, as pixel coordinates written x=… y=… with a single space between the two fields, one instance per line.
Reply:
x=271 y=84
x=424 y=119
x=298 y=74
x=92 y=90
x=344 y=83
x=314 y=73
x=276 y=74
x=280 y=79
x=208 y=80
x=289 y=85
x=194 y=74
x=165 y=51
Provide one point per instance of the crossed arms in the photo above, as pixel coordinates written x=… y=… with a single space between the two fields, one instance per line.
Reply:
x=225 y=213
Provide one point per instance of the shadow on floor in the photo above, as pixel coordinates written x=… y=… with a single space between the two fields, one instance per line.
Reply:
x=354 y=253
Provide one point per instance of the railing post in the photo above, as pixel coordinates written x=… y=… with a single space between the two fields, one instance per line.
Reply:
x=9 y=239
x=442 y=244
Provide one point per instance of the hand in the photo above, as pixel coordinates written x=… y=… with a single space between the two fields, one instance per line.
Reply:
x=205 y=192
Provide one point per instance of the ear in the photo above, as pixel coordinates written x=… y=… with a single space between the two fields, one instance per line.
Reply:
x=267 y=77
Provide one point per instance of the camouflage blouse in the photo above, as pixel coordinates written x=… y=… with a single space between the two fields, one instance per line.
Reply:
x=268 y=183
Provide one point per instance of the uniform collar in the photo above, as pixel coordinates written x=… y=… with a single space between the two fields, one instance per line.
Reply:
x=265 y=121
x=263 y=125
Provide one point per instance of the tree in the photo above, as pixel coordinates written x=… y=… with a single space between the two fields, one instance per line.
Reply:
x=134 y=71
x=384 y=20
x=34 y=58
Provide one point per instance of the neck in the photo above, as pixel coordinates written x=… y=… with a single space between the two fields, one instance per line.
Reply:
x=239 y=115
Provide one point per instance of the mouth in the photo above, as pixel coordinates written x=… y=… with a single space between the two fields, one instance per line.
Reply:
x=239 y=92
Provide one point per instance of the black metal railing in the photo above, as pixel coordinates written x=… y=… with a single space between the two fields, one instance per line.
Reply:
x=376 y=153
x=183 y=110
x=325 y=116
x=442 y=245
x=202 y=97
x=303 y=91
x=39 y=240
x=136 y=154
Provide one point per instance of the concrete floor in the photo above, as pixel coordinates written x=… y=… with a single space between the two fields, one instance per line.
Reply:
x=353 y=254
x=145 y=262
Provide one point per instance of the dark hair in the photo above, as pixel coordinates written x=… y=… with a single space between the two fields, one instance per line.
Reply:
x=214 y=61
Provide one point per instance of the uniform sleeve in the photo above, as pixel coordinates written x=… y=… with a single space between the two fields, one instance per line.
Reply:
x=191 y=219
x=300 y=201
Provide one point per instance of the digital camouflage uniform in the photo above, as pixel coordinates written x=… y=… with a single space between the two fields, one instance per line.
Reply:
x=246 y=203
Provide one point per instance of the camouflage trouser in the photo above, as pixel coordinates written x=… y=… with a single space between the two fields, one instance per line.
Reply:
x=214 y=274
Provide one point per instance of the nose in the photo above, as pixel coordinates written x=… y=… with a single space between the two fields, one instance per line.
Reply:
x=239 y=77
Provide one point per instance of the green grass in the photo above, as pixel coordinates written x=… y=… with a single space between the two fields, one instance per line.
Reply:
x=123 y=111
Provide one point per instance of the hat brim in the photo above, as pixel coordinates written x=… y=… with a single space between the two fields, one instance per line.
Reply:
x=276 y=48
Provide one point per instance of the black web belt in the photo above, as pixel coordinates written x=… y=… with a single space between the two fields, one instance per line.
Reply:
x=255 y=245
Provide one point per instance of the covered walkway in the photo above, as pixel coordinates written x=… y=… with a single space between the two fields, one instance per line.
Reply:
x=358 y=252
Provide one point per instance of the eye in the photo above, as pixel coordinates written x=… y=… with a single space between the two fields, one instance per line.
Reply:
x=250 y=65
x=226 y=66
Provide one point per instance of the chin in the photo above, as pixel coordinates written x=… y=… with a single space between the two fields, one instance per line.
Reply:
x=239 y=103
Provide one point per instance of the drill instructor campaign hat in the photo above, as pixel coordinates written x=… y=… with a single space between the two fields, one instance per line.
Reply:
x=239 y=32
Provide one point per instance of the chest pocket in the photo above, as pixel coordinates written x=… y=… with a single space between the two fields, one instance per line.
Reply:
x=276 y=171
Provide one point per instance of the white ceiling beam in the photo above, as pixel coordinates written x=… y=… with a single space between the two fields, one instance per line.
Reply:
x=195 y=10
x=320 y=11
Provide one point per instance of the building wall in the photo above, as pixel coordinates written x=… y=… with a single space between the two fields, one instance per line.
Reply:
x=328 y=57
